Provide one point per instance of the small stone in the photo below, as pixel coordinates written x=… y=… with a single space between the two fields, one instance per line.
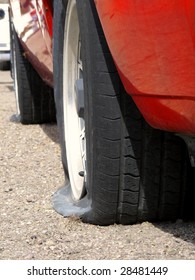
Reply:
x=8 y=190
x=33 y=237
x=30 y=200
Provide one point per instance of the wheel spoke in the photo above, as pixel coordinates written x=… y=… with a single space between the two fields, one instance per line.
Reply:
x=79 y=97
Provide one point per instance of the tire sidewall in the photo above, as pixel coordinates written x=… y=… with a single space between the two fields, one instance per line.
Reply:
x=58 y=31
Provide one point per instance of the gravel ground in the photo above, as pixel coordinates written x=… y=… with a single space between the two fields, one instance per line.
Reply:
x=31 y=172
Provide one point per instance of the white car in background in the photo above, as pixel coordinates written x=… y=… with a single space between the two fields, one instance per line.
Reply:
x=4 y=35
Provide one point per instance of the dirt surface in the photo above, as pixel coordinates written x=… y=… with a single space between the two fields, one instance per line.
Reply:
x=31 y=172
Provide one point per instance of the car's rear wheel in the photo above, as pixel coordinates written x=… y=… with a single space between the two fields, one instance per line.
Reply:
x=127 y=171
x=34 y=99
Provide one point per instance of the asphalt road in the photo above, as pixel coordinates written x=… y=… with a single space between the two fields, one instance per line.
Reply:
x=31 y=172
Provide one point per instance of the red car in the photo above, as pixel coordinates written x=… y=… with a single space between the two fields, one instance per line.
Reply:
x=121 y=75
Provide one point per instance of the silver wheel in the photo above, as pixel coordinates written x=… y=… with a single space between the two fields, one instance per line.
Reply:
x=73 y=102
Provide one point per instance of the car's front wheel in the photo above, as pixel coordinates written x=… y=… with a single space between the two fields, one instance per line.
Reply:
x=34 y=98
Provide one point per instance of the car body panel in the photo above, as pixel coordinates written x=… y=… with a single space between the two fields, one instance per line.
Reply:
x=153 y=46
x=33 y=23
x=5 y=33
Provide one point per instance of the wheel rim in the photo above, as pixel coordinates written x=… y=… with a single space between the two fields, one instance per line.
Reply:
x=73 y=103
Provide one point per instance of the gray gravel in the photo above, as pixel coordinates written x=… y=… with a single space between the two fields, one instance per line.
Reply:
x=30 y=173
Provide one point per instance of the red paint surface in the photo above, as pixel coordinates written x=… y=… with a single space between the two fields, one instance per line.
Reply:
x=153 y=45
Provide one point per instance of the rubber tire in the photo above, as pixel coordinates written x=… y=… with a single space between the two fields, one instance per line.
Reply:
x=135 y=173
x=58 y=33
x=35 y=97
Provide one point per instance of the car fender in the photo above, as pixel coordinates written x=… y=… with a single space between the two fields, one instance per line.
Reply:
x=152 y=44
x=32 y=21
